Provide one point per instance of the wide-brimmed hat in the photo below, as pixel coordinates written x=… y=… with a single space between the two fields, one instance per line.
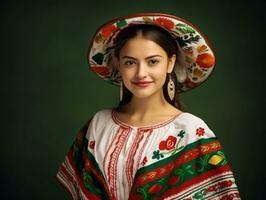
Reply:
x=199 y=56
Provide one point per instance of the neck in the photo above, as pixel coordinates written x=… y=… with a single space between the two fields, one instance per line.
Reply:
x=147 y=106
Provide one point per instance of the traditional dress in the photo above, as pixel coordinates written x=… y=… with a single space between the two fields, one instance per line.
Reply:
x=180 y=158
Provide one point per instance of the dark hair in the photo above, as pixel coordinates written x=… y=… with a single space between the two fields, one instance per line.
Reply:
x=164 y=39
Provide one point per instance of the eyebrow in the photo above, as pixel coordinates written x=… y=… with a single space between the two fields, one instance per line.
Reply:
x=145 y=58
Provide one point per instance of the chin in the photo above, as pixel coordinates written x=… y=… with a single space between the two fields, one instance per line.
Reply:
x=143 y=94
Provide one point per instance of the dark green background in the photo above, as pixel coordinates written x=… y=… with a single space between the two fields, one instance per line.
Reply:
x=47 y=91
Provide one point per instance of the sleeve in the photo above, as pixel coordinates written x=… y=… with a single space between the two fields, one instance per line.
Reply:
x=210 y=174
x=199 y=171
x=79 y=173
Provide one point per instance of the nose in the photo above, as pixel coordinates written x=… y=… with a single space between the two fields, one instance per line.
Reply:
x=141 y=71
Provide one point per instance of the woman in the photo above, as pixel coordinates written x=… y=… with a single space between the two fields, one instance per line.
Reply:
x=147 y=147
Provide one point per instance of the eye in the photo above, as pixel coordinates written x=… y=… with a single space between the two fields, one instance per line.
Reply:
x=153 y=62
x=129 y=62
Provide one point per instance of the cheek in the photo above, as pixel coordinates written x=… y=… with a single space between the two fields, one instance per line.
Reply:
x=160 y=75
x=126 y=75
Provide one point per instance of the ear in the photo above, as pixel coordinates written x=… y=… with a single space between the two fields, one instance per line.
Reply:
x=171 y=63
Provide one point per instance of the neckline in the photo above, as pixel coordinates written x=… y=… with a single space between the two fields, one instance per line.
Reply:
x=151 y=126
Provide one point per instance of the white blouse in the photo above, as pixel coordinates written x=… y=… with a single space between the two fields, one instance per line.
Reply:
x=120 y=149
x=179 y=158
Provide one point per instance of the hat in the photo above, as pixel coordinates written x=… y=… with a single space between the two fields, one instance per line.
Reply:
x=199 y=56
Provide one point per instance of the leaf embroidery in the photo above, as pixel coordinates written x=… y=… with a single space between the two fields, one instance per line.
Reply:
x=157 y=155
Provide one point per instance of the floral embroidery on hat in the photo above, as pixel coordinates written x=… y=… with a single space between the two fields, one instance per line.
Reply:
x=200 y=131
x=107 y=31
x=102 y=70
x=167 y=23
x=205 y=60
x=92 y=144
x=199 y=57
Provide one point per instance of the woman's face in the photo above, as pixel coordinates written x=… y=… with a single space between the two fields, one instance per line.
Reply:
x=143 y=66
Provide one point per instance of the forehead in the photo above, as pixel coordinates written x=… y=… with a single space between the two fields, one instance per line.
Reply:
x=140 y=47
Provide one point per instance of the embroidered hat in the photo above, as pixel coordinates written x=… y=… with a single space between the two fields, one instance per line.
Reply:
x=198 y=56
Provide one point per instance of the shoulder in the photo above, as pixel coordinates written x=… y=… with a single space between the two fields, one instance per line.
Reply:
x=97 y=122
x=103 y=114
x=194 y=125
x=191 y=118
x=101 y=117
x=100 y=120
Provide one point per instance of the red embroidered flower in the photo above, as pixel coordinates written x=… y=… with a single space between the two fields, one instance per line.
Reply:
x=205 y=60
x=102 y=70
x=200 y=131
x=167 y=23
x=92 y=144
x=144 y=161
x=107 y=31
x=168 y=144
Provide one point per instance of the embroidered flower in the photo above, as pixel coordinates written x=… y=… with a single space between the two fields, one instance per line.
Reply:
x=92 y=144
x=107 y=31
x=167 y=23
x=168 y=144
x=101 y=70
x=200 y=132
x=205 y=60
x=144 y=161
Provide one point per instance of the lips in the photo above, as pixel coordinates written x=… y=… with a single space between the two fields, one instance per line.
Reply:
x=142 y=83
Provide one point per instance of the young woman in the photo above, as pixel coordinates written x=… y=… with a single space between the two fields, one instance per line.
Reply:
x=148 y=147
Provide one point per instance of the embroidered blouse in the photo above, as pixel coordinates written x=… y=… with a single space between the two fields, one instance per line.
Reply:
x=180 y=158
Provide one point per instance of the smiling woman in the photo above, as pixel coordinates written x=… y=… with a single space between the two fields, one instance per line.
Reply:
x=147 y=53
x=148 y=147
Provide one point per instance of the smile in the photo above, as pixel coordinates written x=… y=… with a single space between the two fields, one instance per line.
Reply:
x=142 y=83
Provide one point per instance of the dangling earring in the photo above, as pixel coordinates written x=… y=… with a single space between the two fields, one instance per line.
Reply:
x=121 y=90
x=171 y=88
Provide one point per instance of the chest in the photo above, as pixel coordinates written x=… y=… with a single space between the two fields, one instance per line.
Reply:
x=122 y=152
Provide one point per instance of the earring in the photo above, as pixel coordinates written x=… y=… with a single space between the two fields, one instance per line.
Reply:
x=171 y=88
x=121 y=90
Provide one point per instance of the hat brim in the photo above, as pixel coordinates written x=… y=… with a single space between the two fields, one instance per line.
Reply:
x=199 y=55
